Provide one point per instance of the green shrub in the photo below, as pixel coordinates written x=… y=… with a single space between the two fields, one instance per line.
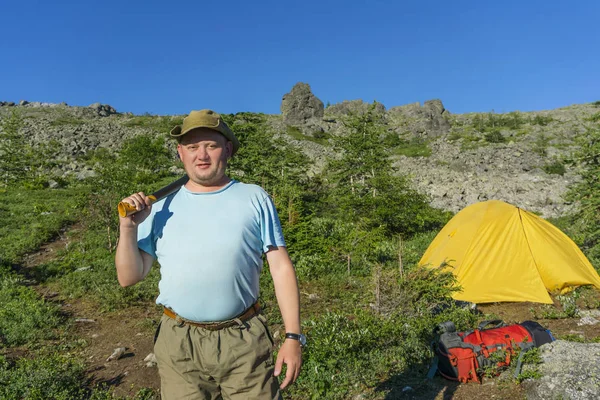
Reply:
x=153 y=122
x=392 y=139
x=594 y=117
x=24 y=316
x=494 y=136
x=542 y=120
x=454 y=136
x=541 y=144
x=317 y=137
x=572 y=337
x=415 y=147
x=99 y=281
x=32 y=217
x=568 y=308
x=21 y=163
x=348 y=352
x=556 y=168
x=491 y=121
x=530 y=364
x=52 y=377
x=587 y=193
x=66 y=119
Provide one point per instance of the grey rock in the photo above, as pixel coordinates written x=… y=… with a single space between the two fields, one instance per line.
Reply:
x=587 y=321
x=52 y=184
x=569 y=370
x=301 y=105
x=103 y=110
x=354 y=106
x=150 y=360
x=428 y=120
x=116 y=354
x=590 y=313
x=23 y=102
x=85 y=174
x=455 y=178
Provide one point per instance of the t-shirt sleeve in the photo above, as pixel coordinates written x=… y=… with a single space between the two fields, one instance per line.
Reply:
x=145 y=238
x=270 y=226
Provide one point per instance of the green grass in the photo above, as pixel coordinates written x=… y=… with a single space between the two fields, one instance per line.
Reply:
x=555 y=168
x=68 y=120
x=542 y=120
x=53 y=376
x=32 y=217
x=594 y=117
x=413 y=148
x=494 y=136
x=367 y=326
x=25 y=318
x=156 y=123
x=320 y=138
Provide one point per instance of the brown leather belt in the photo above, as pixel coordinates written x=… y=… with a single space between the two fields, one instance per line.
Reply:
x=215 y=326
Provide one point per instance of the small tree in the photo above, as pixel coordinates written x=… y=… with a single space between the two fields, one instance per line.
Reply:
x=587 y=191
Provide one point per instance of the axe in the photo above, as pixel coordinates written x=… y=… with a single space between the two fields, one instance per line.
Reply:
x=126 y=209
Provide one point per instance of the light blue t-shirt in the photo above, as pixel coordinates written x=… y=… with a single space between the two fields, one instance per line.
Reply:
x=210 y=246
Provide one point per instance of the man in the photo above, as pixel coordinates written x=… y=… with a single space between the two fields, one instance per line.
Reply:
x=209 y=237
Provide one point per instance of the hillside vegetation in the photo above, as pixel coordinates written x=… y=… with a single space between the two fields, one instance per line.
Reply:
x=355 y=216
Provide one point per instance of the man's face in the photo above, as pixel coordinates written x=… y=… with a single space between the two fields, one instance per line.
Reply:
x=204 y=154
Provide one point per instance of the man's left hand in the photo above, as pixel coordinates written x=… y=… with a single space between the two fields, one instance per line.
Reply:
x=290 y=354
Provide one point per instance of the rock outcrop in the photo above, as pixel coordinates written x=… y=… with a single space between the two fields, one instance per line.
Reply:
x=458 y=168
x=455 y=178
x=569 y=370
x=354 y=106
x=427 y=120
x=300 y=106
x=103 y=110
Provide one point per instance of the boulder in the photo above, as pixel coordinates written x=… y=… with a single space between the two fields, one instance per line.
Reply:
x=427 y=120
x=301 y=105
x=569 y=370
x=103 y=110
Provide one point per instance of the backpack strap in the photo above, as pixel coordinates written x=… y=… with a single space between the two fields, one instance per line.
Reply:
x=524 y=349
x=497 y=323
x=433 y=369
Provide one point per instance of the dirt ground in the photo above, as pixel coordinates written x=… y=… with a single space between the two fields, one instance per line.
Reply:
x=134 y=330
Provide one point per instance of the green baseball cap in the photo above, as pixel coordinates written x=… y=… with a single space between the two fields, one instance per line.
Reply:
x=206 y=119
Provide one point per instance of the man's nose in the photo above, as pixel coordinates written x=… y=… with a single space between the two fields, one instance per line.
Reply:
x=202 y=153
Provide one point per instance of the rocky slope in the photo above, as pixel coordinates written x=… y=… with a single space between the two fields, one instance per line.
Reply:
x=456 y=159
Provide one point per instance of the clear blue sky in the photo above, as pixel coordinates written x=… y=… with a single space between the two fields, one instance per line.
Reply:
x=171 y=57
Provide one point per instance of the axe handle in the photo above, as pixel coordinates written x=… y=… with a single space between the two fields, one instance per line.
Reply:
x=126 y=209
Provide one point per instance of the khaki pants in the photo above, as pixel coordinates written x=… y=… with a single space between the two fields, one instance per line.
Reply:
x=231 y=363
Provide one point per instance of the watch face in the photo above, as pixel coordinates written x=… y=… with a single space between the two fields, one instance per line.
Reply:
x=302 y=340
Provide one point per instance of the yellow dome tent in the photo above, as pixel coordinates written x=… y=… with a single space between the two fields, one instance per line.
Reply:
x=500 y=252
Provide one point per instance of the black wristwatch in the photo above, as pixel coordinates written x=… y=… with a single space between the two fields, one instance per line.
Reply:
x=299 y=337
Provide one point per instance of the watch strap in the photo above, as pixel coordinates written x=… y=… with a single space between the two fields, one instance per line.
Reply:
x=294 y=336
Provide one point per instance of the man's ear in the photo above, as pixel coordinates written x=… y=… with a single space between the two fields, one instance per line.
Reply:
x=229 y=147
x=179 y=151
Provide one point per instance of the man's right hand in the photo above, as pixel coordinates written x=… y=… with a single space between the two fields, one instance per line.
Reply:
x=143 y=204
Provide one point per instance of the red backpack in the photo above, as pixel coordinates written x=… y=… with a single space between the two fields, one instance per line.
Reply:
x=462 y=356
